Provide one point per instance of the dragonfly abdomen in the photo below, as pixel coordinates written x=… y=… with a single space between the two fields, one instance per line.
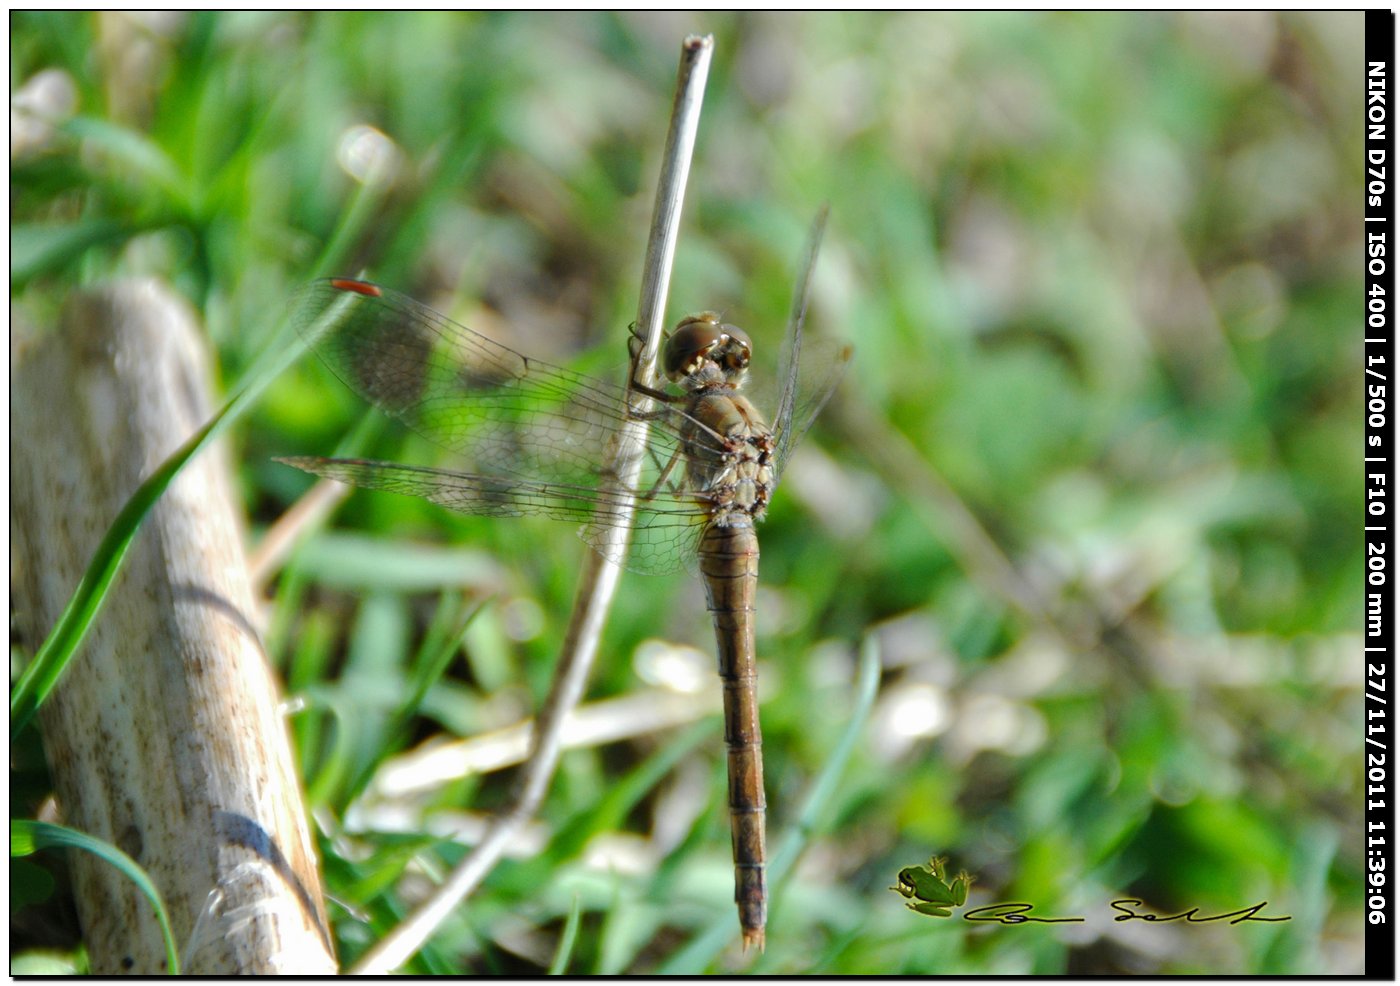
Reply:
x=729 y=566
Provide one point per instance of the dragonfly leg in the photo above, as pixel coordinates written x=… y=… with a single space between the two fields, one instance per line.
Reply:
x=661 y=479
x=635 y=343
x=657 y=395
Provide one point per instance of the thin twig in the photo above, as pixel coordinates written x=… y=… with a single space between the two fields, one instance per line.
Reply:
x=600 y=577
x=277 y=543
x=435 y=764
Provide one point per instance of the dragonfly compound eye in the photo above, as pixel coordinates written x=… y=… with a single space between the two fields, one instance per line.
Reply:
x=701 y=338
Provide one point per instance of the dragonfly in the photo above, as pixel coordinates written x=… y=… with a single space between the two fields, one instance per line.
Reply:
x=538 y=439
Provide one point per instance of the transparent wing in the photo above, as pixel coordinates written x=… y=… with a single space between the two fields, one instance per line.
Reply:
x=536 y=436
x=808 y=377
x=665 y=532
x=505 y=412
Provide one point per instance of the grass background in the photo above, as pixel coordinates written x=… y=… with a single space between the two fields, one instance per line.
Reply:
x=1092 y=482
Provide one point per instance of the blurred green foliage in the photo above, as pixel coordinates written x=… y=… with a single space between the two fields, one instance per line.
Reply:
x=1092 y=481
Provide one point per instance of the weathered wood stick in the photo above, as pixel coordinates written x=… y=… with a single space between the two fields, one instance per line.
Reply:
x=164 y=735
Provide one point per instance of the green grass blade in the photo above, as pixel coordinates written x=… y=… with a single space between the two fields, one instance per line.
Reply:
x=62 y=642
x=430 y=667
x=621 y=798
x=363 y=204
x=134 y=150
x=793 y=842
x=28 y=836
x=338 y=759
x=567 y=940
x=45 y=247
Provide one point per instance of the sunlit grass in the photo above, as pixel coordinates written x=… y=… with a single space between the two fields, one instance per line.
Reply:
x=1099 y=272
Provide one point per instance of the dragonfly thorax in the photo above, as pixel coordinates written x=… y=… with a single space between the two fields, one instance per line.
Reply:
x=704 y=351
x=737 y=478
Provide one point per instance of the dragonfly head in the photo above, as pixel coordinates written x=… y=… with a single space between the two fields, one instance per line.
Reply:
x=704 y=346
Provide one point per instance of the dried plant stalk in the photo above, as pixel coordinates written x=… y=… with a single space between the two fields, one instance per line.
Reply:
x=164 y=733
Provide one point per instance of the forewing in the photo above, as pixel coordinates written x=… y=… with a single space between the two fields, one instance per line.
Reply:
x=537 y=437
x=809 y=371
x=505 y=412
